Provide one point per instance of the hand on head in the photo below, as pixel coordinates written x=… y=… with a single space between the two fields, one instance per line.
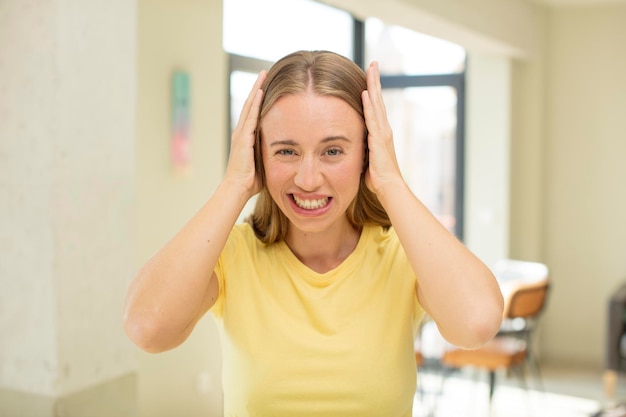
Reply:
x=383 y=166
x=241 y=169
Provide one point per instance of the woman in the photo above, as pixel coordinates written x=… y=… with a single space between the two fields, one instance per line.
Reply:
x=318 y=296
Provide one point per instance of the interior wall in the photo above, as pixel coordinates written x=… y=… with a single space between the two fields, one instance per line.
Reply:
x=506 y=28
x=489 y=26
x=27 y=135
x=585 y=225
x=179 y=35
x=93 y=189
x=528 y=165
x=487 y=156
x=67 y=127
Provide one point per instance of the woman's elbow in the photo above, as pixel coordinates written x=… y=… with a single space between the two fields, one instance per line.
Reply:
x=487 y=324
x=478 y=328
x=146 y=334
x=484 y=331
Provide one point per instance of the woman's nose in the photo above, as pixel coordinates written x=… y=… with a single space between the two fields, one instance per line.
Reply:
x=309 y=176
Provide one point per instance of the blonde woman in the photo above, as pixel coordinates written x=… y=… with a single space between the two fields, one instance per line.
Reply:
x=319 y=294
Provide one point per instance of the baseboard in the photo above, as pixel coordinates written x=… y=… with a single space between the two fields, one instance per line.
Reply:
x=113 y=398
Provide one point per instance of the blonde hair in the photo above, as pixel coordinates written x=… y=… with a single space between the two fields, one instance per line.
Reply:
x=326 y=74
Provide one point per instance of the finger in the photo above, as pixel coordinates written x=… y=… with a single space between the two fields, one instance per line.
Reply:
x=249 y=123
x=373 y=105
x=368 y=110
x=375 y=89
x=373 y=80
x=253 y=100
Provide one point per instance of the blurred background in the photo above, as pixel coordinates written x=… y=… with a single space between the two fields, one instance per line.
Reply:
x=114 y=127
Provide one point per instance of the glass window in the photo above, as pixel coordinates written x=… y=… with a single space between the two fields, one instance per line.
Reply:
x=270 y=29
x=422 y=79
x=403 y=51
x=424 y=121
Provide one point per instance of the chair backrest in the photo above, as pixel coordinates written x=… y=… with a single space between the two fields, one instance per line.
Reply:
x=526 y=300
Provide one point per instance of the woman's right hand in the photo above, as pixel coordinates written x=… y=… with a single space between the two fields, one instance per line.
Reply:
x=240 y=169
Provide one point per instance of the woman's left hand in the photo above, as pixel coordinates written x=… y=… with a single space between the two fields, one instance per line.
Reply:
x=383 y=167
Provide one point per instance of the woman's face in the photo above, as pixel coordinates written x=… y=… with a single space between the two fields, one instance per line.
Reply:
x=313 y=157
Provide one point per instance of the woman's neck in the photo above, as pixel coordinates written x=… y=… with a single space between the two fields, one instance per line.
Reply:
x=323 y=251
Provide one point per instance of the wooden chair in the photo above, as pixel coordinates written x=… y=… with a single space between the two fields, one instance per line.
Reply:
x=419 y=358
x=513 y=274
x=509 y=350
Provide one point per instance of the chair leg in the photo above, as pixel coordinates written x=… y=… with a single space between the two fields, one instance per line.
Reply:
x=519 y=369
x=537 y=371
x=420 y=388
x=492 y=384
x=445 y=373
x=531 y=360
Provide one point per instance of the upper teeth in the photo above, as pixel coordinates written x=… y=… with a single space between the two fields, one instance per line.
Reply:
x=311 y=204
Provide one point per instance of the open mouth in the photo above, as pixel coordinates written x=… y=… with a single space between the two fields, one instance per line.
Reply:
x=311 y=204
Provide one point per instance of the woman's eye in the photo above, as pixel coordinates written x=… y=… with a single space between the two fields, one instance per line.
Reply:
x=285 y=152
x=333 y=152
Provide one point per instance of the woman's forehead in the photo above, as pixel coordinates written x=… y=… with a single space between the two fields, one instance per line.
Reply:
x=311 y=116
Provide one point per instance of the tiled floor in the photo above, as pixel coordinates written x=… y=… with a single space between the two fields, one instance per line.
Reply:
x=568 y=392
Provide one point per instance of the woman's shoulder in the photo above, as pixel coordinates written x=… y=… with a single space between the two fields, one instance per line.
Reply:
x=380 y=236
x=243 y=230
x=380 y=233
x=243 y=234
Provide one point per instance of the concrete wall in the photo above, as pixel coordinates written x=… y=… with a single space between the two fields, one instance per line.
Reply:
x=67 y=128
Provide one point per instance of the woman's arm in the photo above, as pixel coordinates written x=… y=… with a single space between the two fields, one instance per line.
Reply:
x=175 y=288
x=456 y=289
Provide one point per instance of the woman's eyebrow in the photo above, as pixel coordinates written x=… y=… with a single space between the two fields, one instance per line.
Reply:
x=291 y=142
x=334 y=138
x=287 y=142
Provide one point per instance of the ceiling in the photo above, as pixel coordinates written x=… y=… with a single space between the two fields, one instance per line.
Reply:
x=572 y=3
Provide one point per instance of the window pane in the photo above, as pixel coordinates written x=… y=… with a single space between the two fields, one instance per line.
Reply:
x=403 y=51
x=424 y=123
x=256 y=29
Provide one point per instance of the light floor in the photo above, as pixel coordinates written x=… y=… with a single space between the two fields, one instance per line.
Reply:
x=568 y=392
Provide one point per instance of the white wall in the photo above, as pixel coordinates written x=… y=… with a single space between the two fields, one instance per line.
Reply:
x=487 y=156
x=67 y=128
x=28 y=350
x=67 y=187
x=489 y=26
x=528 y=165
x=179 y=35
x=585 y=222
x=93 y=189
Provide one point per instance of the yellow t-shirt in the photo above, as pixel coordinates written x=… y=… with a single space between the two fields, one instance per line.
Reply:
x=299 y=343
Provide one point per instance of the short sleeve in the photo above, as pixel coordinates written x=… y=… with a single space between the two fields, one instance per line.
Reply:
x=228 y=256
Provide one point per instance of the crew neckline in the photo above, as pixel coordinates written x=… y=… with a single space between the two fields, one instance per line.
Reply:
x=327 y=277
